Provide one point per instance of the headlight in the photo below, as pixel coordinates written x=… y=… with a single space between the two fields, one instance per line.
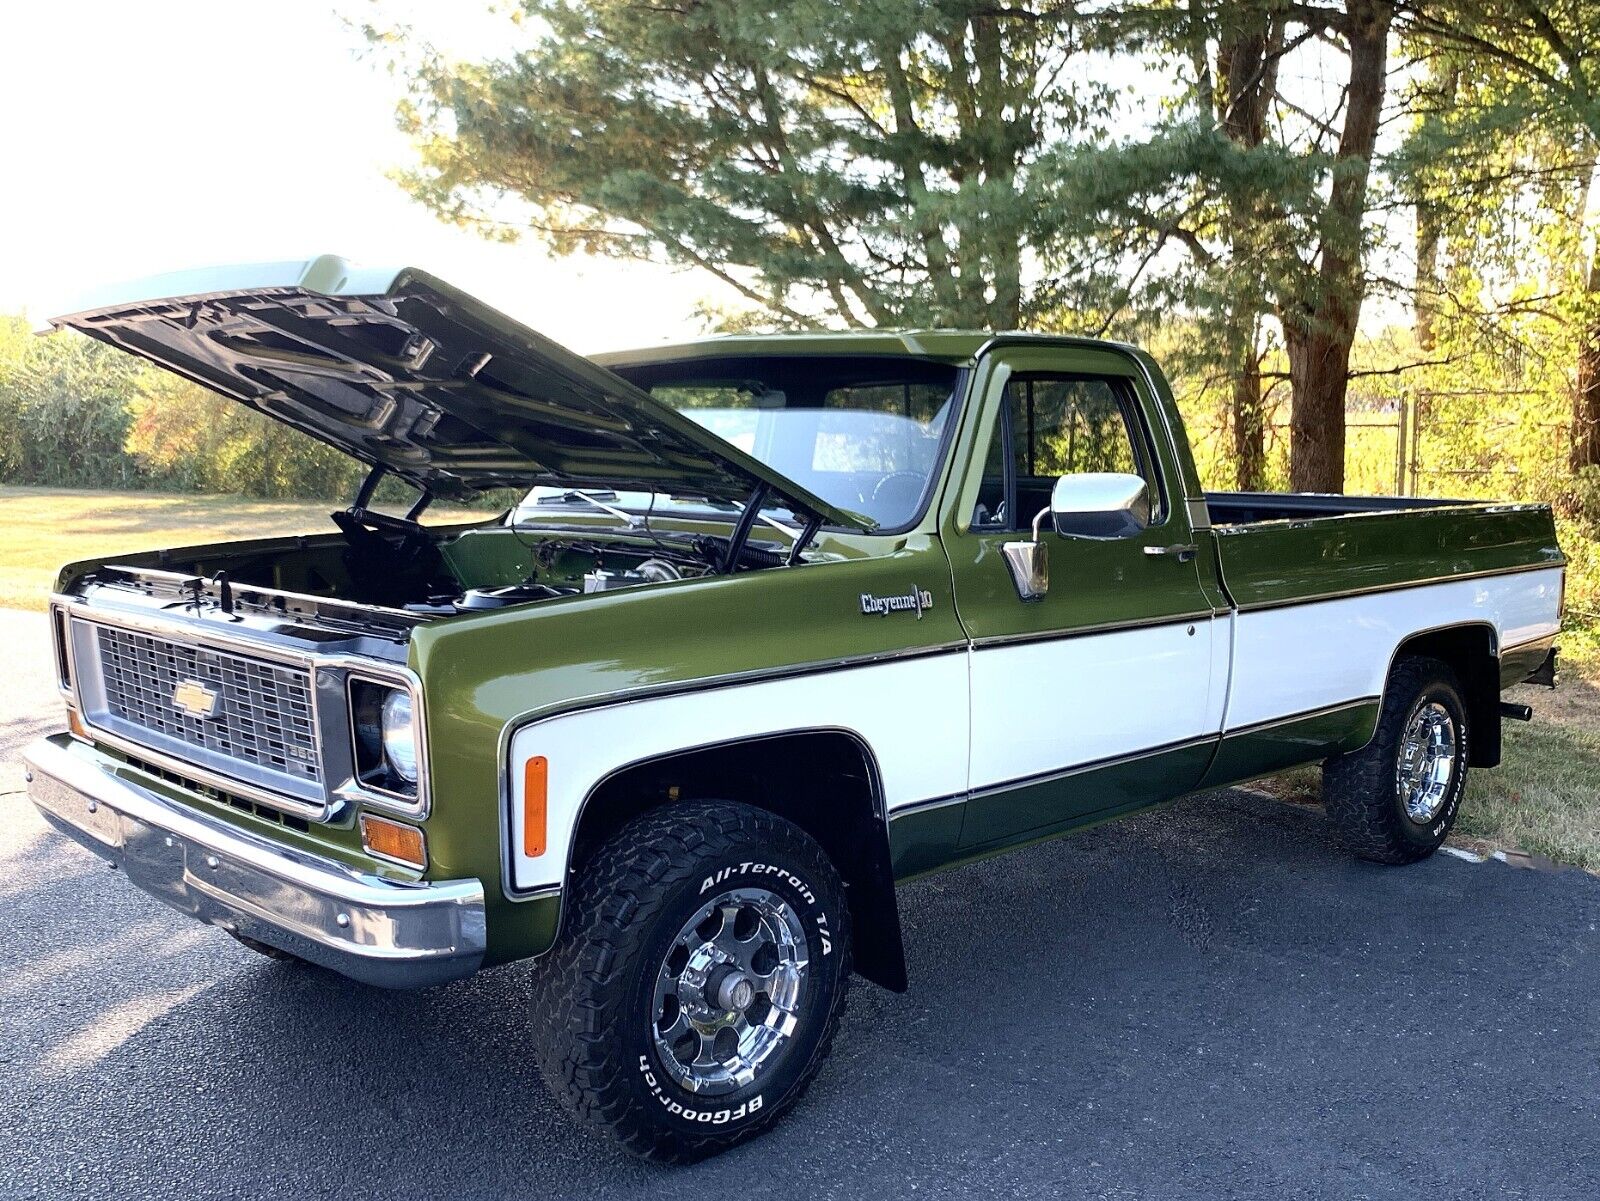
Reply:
x=399 y=735
x=386 y=743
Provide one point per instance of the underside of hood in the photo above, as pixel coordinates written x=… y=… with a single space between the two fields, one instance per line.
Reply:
x=399 y=369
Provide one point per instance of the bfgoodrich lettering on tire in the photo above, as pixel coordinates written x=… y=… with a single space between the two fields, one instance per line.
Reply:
x=695 y=990
x=1395 y=800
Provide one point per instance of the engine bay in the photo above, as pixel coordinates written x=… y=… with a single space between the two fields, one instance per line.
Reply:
x=369 y=585
x=562 y=567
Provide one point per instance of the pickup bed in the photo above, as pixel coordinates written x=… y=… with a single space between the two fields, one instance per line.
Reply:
x=779 y=623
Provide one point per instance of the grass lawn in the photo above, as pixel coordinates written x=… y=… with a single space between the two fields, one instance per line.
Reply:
x=42 y=528
x=1544 y=799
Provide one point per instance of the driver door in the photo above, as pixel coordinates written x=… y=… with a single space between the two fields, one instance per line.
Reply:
x=1106 y=692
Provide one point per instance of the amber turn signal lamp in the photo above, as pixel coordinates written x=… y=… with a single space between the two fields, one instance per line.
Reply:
x=393 y=840
x=535 y=787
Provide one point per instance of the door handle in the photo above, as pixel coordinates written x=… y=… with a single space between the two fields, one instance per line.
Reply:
x=1184 y=551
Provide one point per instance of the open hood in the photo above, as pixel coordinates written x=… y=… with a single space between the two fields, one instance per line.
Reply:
x=400 y=369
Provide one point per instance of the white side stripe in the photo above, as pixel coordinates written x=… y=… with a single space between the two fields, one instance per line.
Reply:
x=911 y=713
x=1038 y=707
x=942 y=724
x=1303 y=657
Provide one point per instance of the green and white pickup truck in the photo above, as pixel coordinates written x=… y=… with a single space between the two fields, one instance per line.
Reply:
x=780 y=623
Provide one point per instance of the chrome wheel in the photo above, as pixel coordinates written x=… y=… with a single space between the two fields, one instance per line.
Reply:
x=1426 y=767
x=727 y=992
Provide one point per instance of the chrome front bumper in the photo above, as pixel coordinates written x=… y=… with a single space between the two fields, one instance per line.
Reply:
x=378 y=931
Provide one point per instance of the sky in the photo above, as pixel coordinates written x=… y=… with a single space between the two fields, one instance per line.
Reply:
x=145 y=136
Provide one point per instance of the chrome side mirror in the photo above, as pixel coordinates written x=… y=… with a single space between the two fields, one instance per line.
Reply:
x=1099 y=504
x=1094 y=504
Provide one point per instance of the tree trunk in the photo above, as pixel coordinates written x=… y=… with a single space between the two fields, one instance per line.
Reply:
x=1583 y=448
x=1249 y=427
x=1319 y=364
x=1247 y=69
x=1247 y=420
x=1319 y=326
x=1586 y=404
x=1425 y=291
x=1443 y=84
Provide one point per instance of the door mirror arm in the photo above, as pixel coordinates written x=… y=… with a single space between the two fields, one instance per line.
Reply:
x=1029 y=563
x=1102 y=505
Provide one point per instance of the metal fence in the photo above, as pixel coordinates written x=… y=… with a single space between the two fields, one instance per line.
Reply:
x=1421 y=443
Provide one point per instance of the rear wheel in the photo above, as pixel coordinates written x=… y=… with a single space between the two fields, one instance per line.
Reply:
x=696 y=989
x=1395 y=800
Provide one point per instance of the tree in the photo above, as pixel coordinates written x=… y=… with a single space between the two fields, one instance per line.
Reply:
x=1534 y=65
x=63 y=416
x=1321 y=305
x=1250 y=47
x=867 y=164
x=1269 y=193
x=1431 y=186
x=901 y=162
x=186 y=436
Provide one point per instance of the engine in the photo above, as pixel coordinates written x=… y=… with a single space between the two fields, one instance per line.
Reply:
x=564 y=570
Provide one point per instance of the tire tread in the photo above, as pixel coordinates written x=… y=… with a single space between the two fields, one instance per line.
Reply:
x=1358 y=789
x=614 y=899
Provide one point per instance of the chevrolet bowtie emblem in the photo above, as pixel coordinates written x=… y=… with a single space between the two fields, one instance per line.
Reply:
x=195 y=699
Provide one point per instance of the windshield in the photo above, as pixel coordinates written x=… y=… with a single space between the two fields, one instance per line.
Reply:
x=864 y=434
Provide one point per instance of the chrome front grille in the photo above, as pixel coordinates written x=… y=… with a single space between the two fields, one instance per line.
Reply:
x=226 y=706
x=237 y=720
x=262 y=714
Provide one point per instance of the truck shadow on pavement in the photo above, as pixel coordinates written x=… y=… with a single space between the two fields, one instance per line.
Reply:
x=1208 y=999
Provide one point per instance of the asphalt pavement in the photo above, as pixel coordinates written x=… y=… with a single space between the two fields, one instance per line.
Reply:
x=1210 y=1000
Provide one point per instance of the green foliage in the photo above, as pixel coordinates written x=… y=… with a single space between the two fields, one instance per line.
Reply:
x=186 y=437
x=63 y=412
x=78 y=413
x=880 y=163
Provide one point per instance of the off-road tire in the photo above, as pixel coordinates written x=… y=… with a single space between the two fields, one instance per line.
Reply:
x=1359 y=790
x=594 y=988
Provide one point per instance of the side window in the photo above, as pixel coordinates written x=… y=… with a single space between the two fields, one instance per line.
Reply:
x=1050 y=426
x=992 y=511
x=1069 y=425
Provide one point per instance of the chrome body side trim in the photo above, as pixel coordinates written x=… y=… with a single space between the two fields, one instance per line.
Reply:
x=1541 y=640
x=1078 y=769
x=1105 y=627
x=1289 y=719
x=379 y=931
x=1319 y=598
x=929 y=805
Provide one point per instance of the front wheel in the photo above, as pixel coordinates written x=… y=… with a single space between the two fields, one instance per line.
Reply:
x=696 y=989
x=1395 y=800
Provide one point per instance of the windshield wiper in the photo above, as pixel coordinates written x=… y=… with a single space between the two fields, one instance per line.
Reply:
x=627 y=518
x=745 y=514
